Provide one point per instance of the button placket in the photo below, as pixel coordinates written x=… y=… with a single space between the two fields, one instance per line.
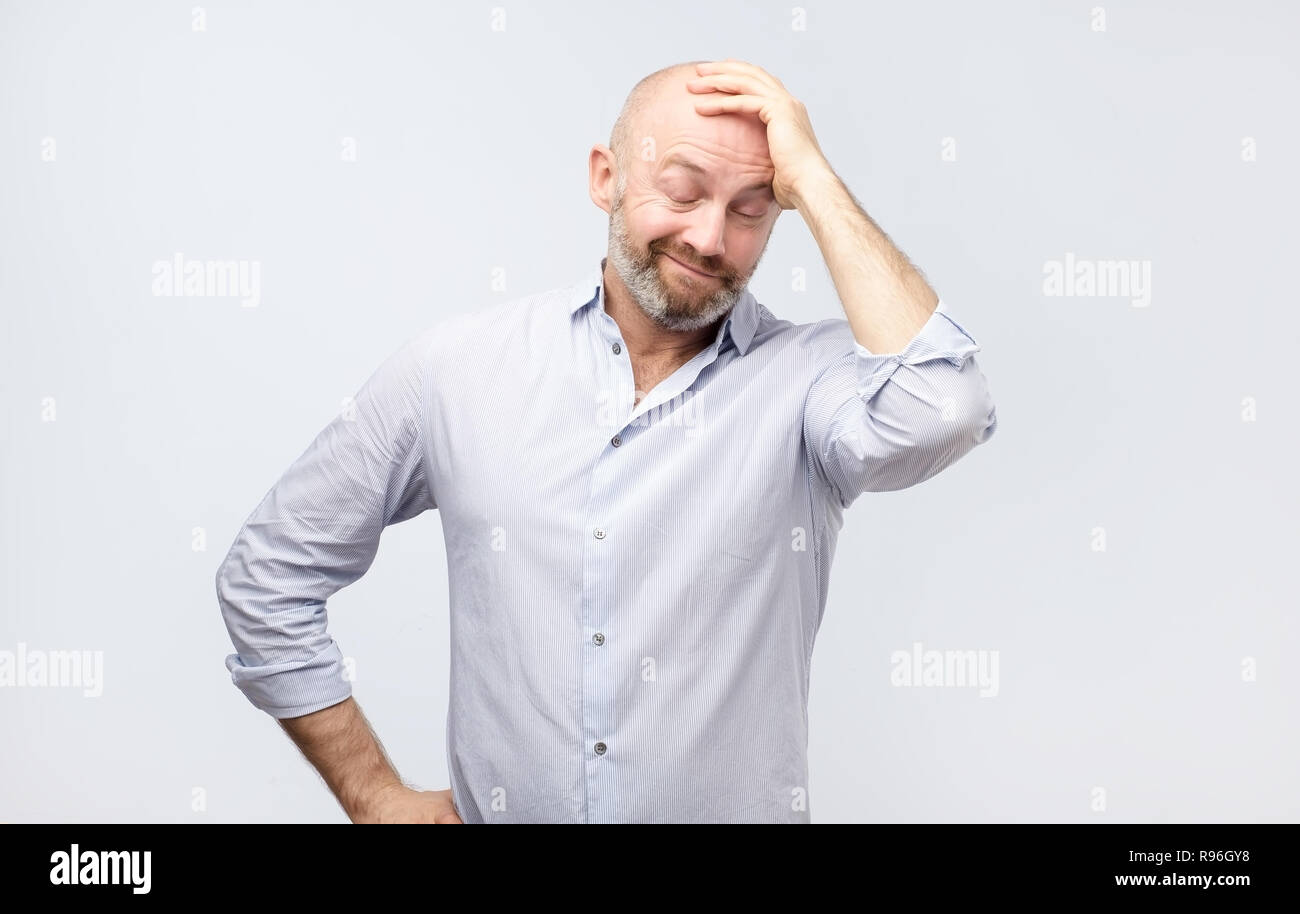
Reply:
x=598 y=608
x=600 y=561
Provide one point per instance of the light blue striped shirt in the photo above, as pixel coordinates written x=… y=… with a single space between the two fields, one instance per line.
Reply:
x=634 y=589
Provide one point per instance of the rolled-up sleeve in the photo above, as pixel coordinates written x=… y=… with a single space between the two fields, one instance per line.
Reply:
x=875 y=423
x=316 y=531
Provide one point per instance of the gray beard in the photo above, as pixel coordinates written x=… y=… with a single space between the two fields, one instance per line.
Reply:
x=648 y=290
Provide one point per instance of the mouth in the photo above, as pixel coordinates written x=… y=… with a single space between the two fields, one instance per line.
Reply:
x=689 y=268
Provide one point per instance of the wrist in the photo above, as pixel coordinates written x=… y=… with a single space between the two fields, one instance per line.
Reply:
x=367 y=805
x=808 y=189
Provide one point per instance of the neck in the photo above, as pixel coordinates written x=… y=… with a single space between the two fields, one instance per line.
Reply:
x=644 y=337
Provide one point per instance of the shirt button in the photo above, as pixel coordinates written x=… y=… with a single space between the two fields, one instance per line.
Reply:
x=600 y=748
x=600 y=533
x=598 y=639
x=616 y=440
x=617 y=349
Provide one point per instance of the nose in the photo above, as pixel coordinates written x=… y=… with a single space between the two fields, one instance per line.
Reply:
x=706 y=229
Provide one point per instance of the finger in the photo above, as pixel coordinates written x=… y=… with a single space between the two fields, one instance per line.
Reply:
x=729 y=82
x=728 y=104
x=739 y=67
x=753 y=70
x=731 y=65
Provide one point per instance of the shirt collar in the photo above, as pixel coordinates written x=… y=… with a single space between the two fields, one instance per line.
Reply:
x=740 y=323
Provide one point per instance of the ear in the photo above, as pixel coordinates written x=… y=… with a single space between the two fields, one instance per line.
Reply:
x=602 y=177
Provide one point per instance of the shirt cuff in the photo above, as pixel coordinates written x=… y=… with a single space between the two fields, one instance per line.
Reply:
x=296 y=687
x=941 y=338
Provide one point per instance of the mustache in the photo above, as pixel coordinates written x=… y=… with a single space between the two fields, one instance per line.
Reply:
x=716 y=270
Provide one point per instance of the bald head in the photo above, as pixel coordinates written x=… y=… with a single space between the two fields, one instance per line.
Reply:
x=640 y=102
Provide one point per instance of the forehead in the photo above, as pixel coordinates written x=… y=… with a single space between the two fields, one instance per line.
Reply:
x=725 y=146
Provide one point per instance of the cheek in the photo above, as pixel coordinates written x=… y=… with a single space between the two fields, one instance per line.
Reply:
x=653 y=217
x=745 y=243
x=656 y=223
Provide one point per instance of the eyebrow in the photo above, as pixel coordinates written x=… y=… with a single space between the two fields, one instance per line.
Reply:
x=698 y=169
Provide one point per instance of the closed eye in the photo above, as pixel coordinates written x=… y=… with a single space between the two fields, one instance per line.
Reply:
x=677 y=202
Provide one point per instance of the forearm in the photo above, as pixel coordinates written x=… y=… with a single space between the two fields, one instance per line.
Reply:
x=886 y=299
x=340 y=744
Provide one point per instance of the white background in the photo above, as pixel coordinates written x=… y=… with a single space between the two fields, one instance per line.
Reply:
x=1119 y=669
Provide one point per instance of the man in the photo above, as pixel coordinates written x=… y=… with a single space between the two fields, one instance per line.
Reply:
x=641 y=478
